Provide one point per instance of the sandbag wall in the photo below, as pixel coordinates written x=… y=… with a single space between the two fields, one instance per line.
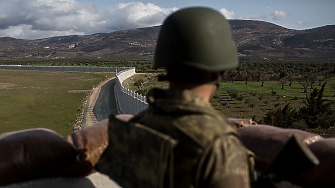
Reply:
x=64 y=68
x=127 y=101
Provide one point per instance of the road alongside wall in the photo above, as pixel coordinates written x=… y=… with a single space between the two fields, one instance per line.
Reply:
x=105 y=104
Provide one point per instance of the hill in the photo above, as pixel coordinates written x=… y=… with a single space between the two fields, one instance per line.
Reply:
x=254 y=39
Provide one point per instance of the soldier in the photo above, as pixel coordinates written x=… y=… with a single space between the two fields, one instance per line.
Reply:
x=195 y=46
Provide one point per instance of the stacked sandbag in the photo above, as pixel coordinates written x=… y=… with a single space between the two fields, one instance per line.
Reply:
x=33 y=153
x=92 y=140
x=266 y=141
x=323 y=175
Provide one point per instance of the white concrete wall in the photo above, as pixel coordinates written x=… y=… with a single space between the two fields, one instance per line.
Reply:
x=128 y=102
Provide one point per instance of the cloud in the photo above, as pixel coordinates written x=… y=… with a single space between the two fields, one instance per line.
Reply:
x=232 y=15
x=300 y=23
x=315 y=12
x=31 y=19
x=278 y=15
x=136 y=15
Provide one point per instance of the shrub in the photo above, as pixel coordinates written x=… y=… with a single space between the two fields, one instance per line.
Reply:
x=138 y=83
x=143 y=92
x=240 y=98
x=325 y=121
x=260 y=97
x=281 y=117
x=276 y=104
x=232 y=93
x=252 y=105
x=253 y=93
x=300 y=124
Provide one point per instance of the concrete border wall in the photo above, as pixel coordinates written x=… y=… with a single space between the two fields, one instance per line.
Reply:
x=127 y=101
x=105 y=104
x=64 y=68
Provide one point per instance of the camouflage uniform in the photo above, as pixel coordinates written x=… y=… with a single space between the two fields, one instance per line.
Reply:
x=209 y=152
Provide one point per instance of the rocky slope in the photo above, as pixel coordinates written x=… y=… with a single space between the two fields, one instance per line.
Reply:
x=254 y=39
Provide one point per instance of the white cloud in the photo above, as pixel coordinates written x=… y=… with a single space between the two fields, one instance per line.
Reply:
x=136 y=15
x=31 y=19
x=315 y=12
x=278 y=15
x=301 y=23
x=232 y=15
x=227 y=14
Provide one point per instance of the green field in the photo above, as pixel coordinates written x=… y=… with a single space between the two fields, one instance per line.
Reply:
x=253 y=100
x=31 y=99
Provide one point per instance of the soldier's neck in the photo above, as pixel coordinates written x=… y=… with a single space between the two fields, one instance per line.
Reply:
x=206 y=91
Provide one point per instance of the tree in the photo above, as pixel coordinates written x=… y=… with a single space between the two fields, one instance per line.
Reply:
x=246 y=76
x=232 y=75
x=315 y=106
x=290 y=79
x=283 y=82
x=283 y=74
x=263 y=78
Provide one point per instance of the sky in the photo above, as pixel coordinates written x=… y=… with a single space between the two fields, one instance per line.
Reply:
x=36 y=19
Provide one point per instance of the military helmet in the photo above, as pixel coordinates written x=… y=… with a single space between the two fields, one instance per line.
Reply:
x=196 y=38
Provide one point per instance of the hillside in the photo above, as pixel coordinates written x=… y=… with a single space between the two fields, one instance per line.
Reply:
x=254 y=39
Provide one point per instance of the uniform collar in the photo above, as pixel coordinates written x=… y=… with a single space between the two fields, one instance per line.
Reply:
x=184 y=101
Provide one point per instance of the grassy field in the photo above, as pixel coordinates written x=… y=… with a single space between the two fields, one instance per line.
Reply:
x=31 y=99
x=253 y=101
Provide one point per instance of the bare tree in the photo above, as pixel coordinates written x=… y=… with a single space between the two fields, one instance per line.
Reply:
x=263 y=78
x=283 y=82
x=246 y=76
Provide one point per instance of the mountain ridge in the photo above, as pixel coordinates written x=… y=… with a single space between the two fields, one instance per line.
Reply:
x=254 y=39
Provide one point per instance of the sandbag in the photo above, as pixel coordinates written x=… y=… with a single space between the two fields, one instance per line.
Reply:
x=323 y=175
x=266 y=141
x=238 y=123
x=33 y=153
x=124 y=117
x=92 y=140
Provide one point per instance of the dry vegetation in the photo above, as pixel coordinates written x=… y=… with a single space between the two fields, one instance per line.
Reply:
x=31 y=99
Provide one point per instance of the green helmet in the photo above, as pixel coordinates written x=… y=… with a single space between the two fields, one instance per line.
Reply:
x=197 y=38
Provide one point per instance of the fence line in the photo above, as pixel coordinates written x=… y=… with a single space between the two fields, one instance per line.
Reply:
x=64 y=68
x=128 y=102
